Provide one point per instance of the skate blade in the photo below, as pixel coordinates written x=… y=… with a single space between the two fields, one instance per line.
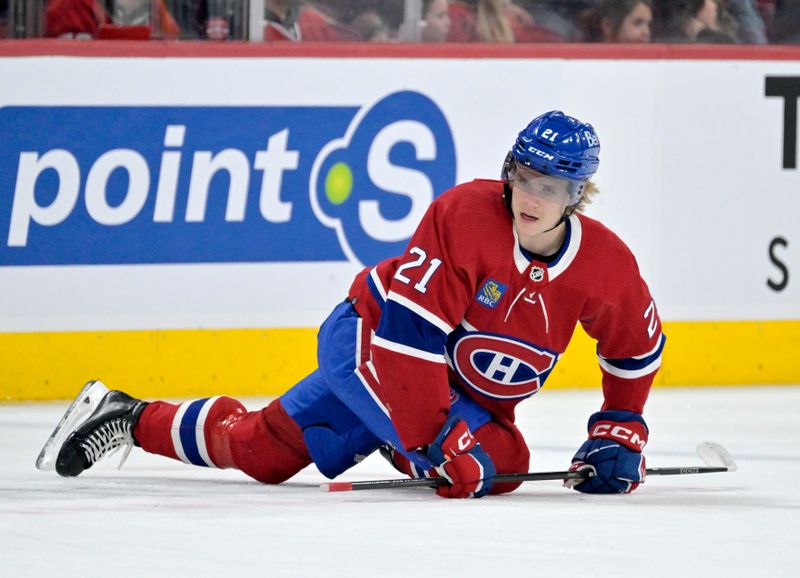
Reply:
x=83 y=406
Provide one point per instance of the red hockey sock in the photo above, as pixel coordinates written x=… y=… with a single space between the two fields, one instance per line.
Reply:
x=218 y=432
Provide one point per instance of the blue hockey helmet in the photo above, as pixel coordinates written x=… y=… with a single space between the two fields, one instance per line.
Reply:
x=557 y=145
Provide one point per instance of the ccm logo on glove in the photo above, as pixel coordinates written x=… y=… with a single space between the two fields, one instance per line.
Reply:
x=460 y=459
x=465 y=441
x=613 y=453
x=631 y=434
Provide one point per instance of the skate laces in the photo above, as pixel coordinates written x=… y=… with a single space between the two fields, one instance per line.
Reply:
x=108 y=438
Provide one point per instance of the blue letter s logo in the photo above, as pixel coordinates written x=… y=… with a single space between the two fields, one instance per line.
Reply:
x=374 y=185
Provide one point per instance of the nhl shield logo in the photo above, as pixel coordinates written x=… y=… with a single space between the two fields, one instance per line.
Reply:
x=537 y=273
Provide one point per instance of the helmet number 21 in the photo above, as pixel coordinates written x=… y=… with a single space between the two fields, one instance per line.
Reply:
x=550 y=135
x=422 y=258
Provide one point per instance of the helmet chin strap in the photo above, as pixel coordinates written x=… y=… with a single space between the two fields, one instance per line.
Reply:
x=567 y=212
x=557 y=225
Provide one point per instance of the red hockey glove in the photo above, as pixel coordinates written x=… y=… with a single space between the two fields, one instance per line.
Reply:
x=468 y=469
x=613 y=453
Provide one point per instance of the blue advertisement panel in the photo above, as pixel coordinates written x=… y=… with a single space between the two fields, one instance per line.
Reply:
x=132 y=185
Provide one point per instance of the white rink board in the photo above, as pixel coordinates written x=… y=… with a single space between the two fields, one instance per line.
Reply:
x=691 y=177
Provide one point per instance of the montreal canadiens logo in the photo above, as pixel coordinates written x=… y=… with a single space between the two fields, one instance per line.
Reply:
x=501 y=367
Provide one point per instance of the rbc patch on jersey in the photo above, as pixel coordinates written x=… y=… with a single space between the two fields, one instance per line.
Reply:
x=490 y=294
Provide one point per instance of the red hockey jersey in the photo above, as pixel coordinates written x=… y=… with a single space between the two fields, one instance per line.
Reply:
x=465 y=304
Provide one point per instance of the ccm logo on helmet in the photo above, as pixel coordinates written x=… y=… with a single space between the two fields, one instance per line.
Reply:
x=541 y=153
x=606 y=430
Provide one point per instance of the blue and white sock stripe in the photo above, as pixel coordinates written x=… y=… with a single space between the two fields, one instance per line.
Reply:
x=188 y=432
x=635 y=367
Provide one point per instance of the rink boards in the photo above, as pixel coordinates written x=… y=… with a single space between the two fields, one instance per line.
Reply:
x=177 y=235
x=180 y=363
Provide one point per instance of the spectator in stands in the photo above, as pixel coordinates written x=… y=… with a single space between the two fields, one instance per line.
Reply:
x=435 y=20
x=480 y=21
x=74 y=18
x=694 y=21
x=495 y=21
x=527 y=29
x=622 y=21
x=718 y=22
x=544 y=21
x=391 y=12
x=786 y=25
x=294 y=20
x=370 y=27
x=749 y=24
x=433 y=26
x=559 y=17
x=86 y=18
x=766 y=8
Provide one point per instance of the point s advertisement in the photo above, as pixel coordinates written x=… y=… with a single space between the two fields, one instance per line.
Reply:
x=152 y=197
x=113 y=185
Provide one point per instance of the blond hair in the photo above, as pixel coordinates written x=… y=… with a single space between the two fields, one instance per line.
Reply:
x=590 y=190
x=492 y=23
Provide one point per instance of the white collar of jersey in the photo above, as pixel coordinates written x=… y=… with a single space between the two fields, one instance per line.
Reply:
x=567 y=252
x=519 y=259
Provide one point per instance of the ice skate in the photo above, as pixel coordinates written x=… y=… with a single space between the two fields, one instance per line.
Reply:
x=97 y=423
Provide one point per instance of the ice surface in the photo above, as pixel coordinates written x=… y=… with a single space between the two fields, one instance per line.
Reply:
x=158 y=517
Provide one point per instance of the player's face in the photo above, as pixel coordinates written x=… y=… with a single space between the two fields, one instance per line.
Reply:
x=534 y=183
x=537 y=203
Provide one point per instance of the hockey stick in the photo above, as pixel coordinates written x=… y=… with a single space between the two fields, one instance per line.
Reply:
x=716 y=458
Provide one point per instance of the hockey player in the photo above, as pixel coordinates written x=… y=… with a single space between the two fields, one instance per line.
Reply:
x=433 y=349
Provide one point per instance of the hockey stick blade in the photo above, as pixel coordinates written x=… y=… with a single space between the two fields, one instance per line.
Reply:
x=714 y=455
